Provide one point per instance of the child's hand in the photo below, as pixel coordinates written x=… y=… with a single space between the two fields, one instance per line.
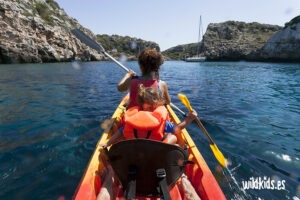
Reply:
x=130 y=73
x=192 y=115
x=103 y=145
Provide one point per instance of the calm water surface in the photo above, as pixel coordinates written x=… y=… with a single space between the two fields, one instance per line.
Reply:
x=50 y=117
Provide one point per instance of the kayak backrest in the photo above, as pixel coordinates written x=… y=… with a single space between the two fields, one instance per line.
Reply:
x=147 y=156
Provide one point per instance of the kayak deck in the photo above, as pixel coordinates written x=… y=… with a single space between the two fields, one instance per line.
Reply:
x=198 y=173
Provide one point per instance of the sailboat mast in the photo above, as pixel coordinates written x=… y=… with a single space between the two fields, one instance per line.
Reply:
x=199 y=35
x=198 y=57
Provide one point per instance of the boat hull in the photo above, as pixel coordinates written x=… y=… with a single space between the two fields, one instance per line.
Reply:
x=198 y=173
x=195 y=59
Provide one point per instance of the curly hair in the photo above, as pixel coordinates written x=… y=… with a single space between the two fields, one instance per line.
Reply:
x=150 y=60
x=149 y=95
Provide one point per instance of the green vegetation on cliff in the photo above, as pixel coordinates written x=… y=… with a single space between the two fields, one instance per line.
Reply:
x=180 y=52
x=129 y=46
x=295 y=20
x=43 y=10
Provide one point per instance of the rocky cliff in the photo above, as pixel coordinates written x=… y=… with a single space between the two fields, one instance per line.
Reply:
x=124 y=46
x=34 y=31
x=282 y=46
x=39 y=31
x=180 y=52
x=235 y=40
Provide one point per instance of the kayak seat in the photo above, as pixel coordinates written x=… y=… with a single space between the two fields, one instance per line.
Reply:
x=147 y=167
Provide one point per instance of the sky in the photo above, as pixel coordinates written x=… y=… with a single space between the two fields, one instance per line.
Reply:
x=173 y=22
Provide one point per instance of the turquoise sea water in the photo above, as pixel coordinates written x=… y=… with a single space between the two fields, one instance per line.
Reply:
x=50 y=117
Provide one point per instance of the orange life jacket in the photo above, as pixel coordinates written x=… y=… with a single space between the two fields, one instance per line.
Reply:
x=145 y=124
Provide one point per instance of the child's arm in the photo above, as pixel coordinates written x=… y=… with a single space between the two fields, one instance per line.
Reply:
x=191 y=116
x=173 y=128
x=165 y=92
x=112 y=139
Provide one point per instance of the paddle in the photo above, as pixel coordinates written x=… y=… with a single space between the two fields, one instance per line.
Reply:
x=217 y=153
x=94 y=45
x=178 y=109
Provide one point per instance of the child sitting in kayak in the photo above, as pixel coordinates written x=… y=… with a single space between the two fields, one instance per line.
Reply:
x=151 y=110
x=149 y=61
x=150 y=120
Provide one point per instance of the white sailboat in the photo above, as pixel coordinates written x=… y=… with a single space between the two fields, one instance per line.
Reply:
x=195 y=59
x=198 y=57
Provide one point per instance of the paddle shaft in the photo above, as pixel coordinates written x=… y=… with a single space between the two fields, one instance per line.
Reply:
x=187 y=103
x=172 y=105
x=217 y=153
x=94 y=45
x=178 y=109
x=117 y=62
x=204 y=131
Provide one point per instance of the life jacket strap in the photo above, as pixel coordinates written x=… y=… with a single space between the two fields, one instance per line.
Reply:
x=131 y=186
x=162 y=182
x=136 y=134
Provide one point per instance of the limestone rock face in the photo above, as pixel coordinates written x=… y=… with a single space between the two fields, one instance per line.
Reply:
x=39 y=31
x=233 y=40
x=282 y=46
x=33 y=31
x=124 y=46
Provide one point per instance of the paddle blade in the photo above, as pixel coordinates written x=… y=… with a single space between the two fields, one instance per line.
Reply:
x=185 y=101
x=87 y=40
x=218 y=154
